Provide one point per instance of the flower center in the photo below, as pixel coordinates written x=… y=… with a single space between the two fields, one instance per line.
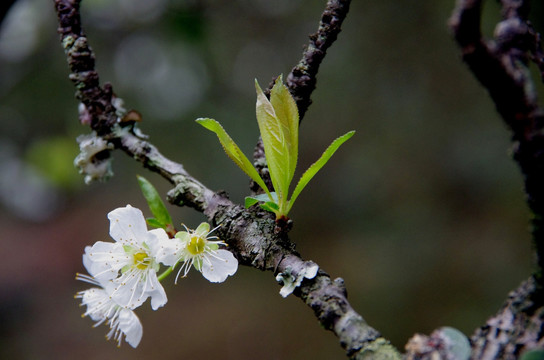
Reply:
x=196 y=245
x=141 y=260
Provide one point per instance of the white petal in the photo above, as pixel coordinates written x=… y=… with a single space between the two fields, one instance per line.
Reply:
x=133 y=288
x=127 y=225
x=131 y=326
x=157 y=293
x=162 y=248
x=156 y=236
x=128 y=289
x=104 y=259
x=98 y=302
x=86 y=260
x=217 y=269
x=168 y=252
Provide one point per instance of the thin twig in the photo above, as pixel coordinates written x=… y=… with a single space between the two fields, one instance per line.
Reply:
x=303 y=77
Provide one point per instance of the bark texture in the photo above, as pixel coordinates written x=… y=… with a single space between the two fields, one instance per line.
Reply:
x=516 y=328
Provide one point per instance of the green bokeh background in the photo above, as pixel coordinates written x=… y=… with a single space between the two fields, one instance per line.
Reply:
x=422 y=212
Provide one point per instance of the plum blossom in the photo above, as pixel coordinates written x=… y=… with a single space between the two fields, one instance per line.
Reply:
x=101 y=308
x=129 y=264
x=197 y=248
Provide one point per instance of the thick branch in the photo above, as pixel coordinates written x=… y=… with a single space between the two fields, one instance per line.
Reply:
x=493 y=65
x=516 y=328
x=252 y=235
x=501 y=67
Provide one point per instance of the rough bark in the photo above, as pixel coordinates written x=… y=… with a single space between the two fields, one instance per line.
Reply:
x=516 y=328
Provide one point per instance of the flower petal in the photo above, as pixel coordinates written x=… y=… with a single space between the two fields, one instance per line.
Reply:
x=99 y=305
x=101 y=308
x=103 y=260
x=128 y=226
x=203 y=229
x=162 y=248
x=218 y=267
x=131 y=326
x=133 y=287
x=156 y=291
x=168 y=252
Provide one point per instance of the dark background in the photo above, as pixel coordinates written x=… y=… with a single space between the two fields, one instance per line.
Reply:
x=422 y=212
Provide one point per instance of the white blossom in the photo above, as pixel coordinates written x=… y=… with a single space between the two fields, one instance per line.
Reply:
x=101 y=308
x=197 y=248
x=130 y=263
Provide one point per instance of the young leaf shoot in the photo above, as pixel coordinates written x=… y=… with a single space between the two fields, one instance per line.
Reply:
x=278 y=121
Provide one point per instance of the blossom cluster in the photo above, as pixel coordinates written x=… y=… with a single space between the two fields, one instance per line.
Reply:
x=124 y=272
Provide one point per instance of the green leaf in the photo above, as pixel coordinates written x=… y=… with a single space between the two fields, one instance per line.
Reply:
x=278 y=124
x=154 y=202
x=233 y=151
x=287 y=112
x=535 y=354
x=252 y=200
x=155 y=223
x=270 y=206
x=312 y=170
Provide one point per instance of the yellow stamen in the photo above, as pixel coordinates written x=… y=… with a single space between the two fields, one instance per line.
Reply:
x=196 y=245
x=141 y=261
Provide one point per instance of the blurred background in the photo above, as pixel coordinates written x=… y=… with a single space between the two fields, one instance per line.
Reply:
x=422 y=212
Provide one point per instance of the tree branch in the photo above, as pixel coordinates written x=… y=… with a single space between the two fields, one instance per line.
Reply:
x=501 y=66
x=252 y=235
x=302 y=79
x=516 y=328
